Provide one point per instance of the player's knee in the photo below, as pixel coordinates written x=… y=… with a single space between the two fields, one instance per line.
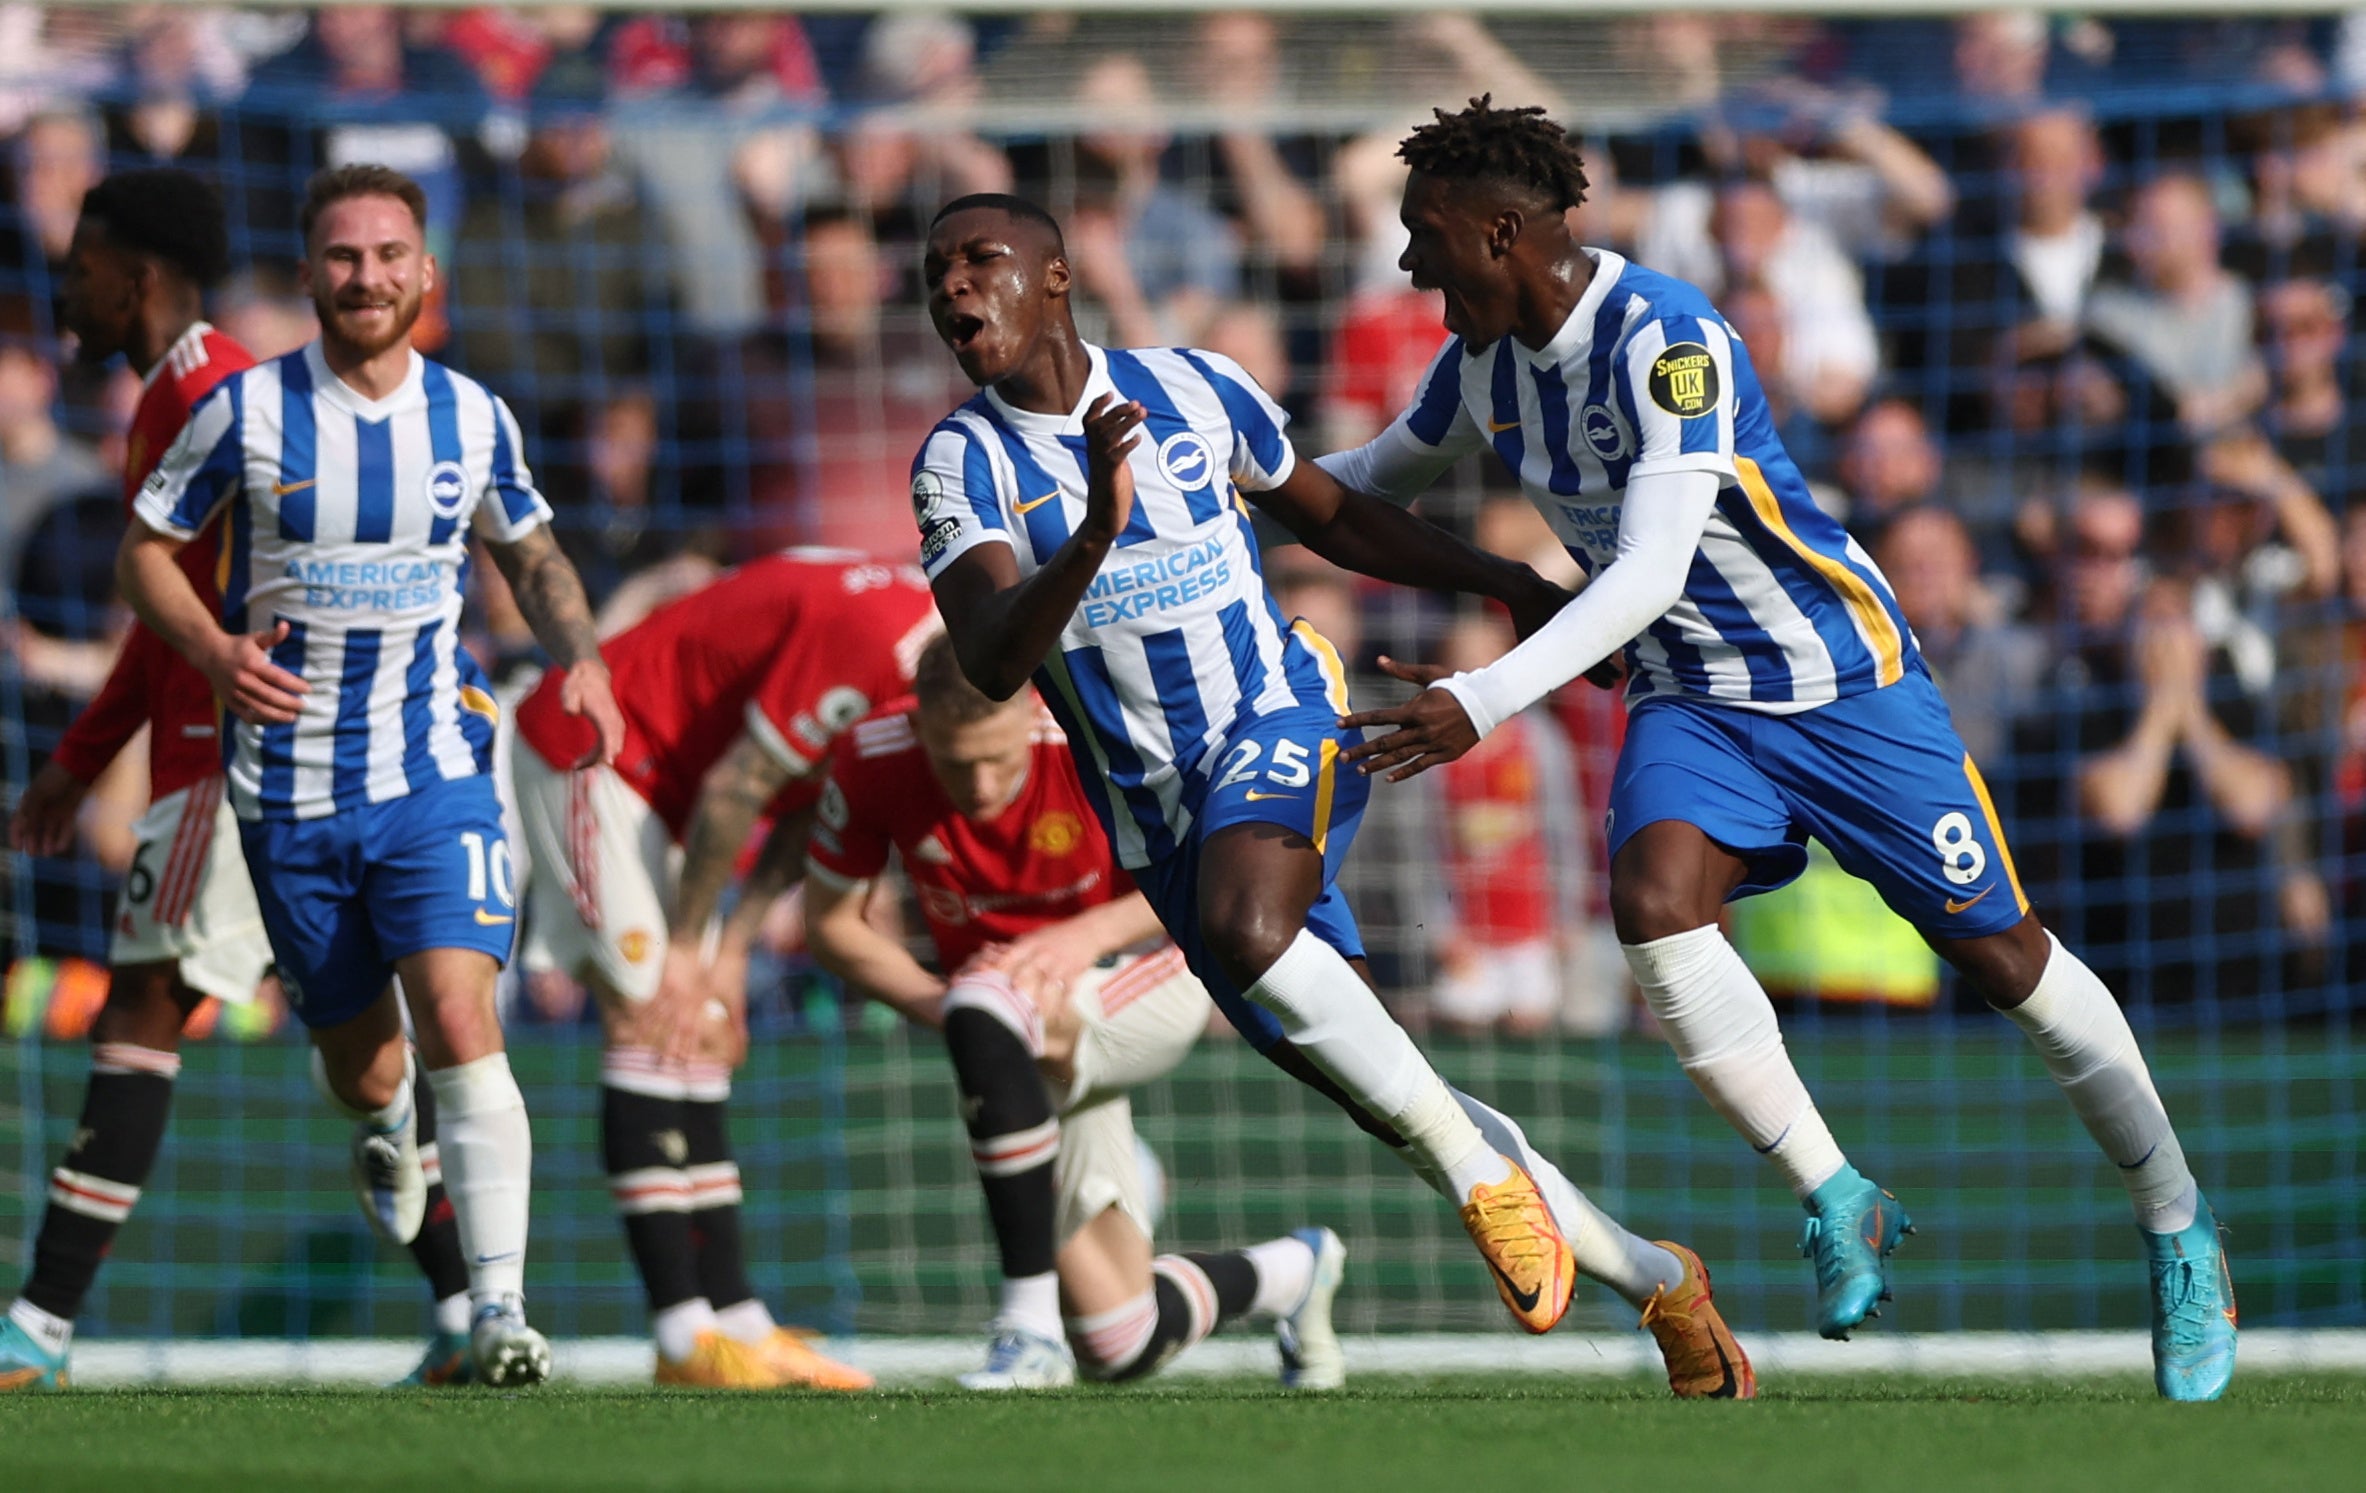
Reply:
x=1247 y=933
x=146 y=1006
x=2002 y=968
x=981 y=1007
x=1647 y=908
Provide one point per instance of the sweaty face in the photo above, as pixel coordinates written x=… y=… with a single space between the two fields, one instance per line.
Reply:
x=982 y=763
x=991 y=280
x=1449 y=247
x=101 y=300
x=368 y=272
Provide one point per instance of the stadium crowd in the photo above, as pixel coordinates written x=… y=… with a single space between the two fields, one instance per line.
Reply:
x=2056 y=314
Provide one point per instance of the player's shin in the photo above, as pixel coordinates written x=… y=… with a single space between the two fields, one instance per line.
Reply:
x=487 y=1149
x=713 y=1177
x=1190 y=1296
x=2086 y=1044
x=1722 y=1027
x=645 y=1147
x=1332 y=1016
x=436 y=1248
x=96 y=1182
x=993 y=1035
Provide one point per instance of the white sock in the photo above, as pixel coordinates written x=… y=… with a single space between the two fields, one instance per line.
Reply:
x=451 y=1313
x=1031 y=1303
x=1634 y=1267
x=488 y=1155
x=1723 y=1029
x=1285 y=1269
x=748 y=1321
x=2083 y=1037
x=50 y=1330
x=678 y=1327
x=393 y=1116
x=1332 y=1016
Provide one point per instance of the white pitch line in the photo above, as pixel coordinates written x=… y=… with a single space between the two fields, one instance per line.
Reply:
x=914 y=1362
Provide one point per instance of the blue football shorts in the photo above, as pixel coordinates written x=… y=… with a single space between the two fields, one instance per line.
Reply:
x=1280 y=769
x=1880 y=778
x=345 y=896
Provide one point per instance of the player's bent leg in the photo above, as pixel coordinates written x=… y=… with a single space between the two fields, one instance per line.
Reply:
x=135 y=1058
x=2088 y=1048
x=487 y=1149
x=1257 y=884
x=362 y=1066
x=1668 y=881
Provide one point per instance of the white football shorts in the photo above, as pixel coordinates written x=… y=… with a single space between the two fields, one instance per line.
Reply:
x=603 y=866
x=187 y=899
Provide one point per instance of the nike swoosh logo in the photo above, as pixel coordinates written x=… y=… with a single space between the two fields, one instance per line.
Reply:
x=282 y=489
x=18 y=1379
x=1732 y=1383
x=1954 y=906
x=1031 y=506
x=1524 y=1300
x=1256 y=797
x=1498 y=427
x=496 y=1259
x=488 y=920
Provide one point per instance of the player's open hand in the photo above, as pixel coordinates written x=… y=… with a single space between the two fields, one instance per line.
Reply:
x=1111 y=432
x=43 y=823
x=1431 y=729
x=1052 y=957
x=249 y=684
x=669 y=1023
x=587 y=692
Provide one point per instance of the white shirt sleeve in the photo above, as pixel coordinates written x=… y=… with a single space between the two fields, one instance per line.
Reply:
x=1658 y=534
x=1262 y=457
x=1429 y=436
x=956 y=497
x=1678 y=376
x=509 y=508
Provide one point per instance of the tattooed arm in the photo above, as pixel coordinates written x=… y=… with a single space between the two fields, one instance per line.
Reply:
x=550 y=597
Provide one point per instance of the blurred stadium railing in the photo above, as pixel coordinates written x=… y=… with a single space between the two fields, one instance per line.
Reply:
x=2058 y=313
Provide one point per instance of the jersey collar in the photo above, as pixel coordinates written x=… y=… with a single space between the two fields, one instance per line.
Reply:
x=196 y=334
x=1028 y=422
x=347 y=398
x=1578 y=331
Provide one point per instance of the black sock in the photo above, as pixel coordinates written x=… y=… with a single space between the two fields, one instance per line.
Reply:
x=714 y=1203
x=437 y=1249
x=643 y=1147
x=98 y=1180
x=1235 y=1280
x=1014 y=1138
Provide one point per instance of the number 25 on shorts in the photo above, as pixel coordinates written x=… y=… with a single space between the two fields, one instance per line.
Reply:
x=1291 y=767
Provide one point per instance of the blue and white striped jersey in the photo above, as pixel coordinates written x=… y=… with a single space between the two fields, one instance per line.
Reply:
x=348 y=519
x=1177 y=640
x=1782 y=611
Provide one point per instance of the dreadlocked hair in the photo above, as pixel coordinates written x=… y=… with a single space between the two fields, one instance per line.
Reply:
x=1518 y=146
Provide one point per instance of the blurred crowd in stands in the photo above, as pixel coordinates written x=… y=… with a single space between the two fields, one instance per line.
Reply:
x=2056 y=313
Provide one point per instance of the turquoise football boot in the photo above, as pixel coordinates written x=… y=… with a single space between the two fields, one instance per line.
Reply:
x=446 y=1364
x=1852 y=1226
x=2193 y=1310
x=26 y=1366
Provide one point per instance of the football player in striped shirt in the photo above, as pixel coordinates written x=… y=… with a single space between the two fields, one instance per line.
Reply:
x=146 y=248
x=1059 y=995
x=351 y=474
x=1776 y=693
x=1082 y=520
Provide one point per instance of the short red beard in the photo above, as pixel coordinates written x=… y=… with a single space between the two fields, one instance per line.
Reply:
x=406 y=315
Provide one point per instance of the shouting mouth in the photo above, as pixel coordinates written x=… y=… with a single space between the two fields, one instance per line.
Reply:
x=963 y=328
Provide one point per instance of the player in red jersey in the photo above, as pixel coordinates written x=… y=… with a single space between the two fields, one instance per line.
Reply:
x=733 y=698
x=147 y=247
x=1061 y=994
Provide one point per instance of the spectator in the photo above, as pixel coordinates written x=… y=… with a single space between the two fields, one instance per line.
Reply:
x=2149 y=802
x=1830 y=351
x=1156 y=258
x=915 y=149
x=708 y=124
x=555 y=286
x=1989 y=669
x=1237 y=61
x=2308 y=195
x=2184 y=319
x=2305 y=327
x=263 y=308
x=59 y=157
x=182 y=64
x=40 y=465
x=1888 y=464
x=2053 y=245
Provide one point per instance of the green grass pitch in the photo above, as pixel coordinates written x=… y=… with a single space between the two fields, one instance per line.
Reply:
x=1454 y=1435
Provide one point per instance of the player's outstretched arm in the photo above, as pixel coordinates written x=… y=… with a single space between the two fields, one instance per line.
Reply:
x=1002 y=627
x=1659 y=532
x=550 y=597
x=846 y=945
x=1371 y=536
x=237 y=665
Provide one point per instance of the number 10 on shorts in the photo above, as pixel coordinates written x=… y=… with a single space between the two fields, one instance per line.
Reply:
x=493 y=865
